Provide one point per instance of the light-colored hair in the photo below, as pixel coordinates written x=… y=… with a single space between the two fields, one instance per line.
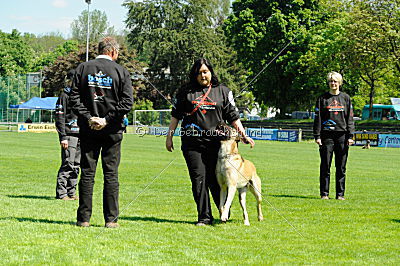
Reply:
x=107 y=45
x=335 y=76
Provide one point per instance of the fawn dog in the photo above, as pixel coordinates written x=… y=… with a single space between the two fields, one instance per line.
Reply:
x=234 y=172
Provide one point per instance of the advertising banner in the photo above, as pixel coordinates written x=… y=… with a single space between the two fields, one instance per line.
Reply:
x=38 y=128
x=288 y=135
x=386 y=140
x=361 y=138
x=262 y=133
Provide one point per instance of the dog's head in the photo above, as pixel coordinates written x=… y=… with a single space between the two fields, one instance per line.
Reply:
x=225 y=132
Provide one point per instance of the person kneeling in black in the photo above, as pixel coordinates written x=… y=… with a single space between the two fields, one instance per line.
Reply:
x=333 y=131
x=202 y=104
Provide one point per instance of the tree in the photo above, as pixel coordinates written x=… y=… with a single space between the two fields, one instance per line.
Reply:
x=54 y=73
x=388 y=14
x=15 y=54
x=369 y=52
x=99 y=26
x=46 y=59
x=327 y=43
x=171 y=35
x=355 y=40
x=43 y=43
x=275 y=32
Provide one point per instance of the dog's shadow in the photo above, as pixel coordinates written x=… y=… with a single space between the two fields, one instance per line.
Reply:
x=161 y=220
x=294 y=196
x=152 y=219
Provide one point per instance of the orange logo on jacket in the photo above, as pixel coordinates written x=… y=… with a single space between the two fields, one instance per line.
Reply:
x=206 y=104
x=335 y=107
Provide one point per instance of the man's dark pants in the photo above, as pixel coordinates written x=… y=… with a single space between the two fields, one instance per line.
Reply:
x=201 y=162
x=67 y=176
x=333 y=143
x=109 y=146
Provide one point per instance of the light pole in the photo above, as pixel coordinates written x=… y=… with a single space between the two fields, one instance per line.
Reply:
x=88 y=28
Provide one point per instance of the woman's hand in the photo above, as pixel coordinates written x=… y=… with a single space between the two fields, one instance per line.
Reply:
x=319 y=142
x=248 y=140
x=350 y=142
x=169 y=144
x=64 y=144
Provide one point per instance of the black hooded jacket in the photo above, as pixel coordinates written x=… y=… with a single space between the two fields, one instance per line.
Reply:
x=66 y=120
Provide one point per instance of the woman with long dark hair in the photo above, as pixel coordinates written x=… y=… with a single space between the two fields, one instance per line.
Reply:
x=202 y=104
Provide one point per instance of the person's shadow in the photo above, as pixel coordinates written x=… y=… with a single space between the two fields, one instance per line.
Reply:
x=46 y=221
x=31 y=197
x=36 y=220
x=295 y=196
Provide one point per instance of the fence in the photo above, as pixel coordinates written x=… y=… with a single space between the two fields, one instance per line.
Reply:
x=15 y=90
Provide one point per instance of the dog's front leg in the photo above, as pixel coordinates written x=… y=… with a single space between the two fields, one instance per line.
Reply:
x=222 y=199
x=228 y=203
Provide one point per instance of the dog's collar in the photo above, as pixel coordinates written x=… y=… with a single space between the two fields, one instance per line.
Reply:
x=227 y=156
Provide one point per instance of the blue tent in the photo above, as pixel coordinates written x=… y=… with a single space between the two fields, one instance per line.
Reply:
x=48 y=103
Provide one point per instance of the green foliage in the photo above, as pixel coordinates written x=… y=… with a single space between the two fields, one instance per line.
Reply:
x=274 y=32
x=171 y=35
x=49 y=58
x=15 y=54
x=99 y=26
x=140 y=104
x=158 y=211
x=54 y=73
x=43 y=43
x=359 y=39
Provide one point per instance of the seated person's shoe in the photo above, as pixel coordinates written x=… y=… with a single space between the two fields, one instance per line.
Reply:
x=74 y=197
x=65 y=198
x=200 y=224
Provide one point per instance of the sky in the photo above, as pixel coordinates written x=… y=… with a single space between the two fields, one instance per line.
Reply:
x=44 y=16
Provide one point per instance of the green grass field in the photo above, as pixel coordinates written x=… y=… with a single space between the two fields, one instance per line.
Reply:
x=157 y=223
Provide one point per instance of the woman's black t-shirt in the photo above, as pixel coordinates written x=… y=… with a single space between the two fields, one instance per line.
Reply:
x=202 y=114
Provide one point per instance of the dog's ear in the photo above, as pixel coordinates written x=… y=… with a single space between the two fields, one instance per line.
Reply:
x=223 y=131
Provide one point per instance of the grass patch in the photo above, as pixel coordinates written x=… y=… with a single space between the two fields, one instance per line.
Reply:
x=158 y=227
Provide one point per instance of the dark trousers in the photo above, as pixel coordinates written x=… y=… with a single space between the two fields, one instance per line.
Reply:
x=333 y=143
x=201 y=163
x=110 y=148
x=67 y=176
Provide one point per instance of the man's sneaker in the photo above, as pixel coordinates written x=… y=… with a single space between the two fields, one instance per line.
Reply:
x=82 y=224
x=200 y=224
x=340 y=198
x=324 y=197
x=112 y=225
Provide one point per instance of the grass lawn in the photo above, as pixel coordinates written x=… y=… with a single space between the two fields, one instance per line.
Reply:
x=157 y=223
